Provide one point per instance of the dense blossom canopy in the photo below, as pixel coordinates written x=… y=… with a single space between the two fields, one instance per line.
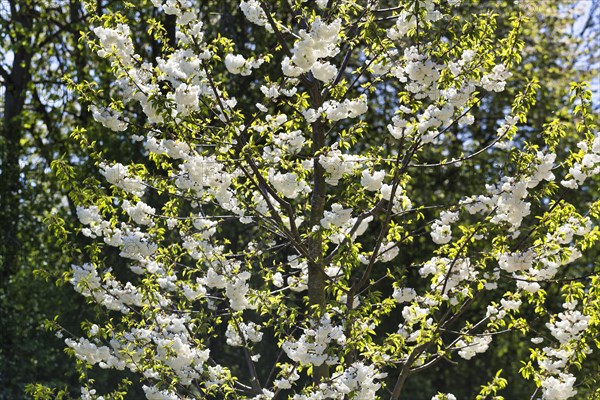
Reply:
x=272 y=219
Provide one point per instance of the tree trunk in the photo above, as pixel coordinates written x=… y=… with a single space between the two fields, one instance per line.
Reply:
x=316 y=274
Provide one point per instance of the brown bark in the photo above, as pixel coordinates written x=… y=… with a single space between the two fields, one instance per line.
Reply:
x=316 y=273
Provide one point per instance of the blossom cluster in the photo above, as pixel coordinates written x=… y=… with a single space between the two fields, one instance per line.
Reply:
x=313 y=48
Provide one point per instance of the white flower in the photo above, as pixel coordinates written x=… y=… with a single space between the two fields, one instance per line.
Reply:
x=287 y=184
x=324 y=72
x=337 y=217
x=321 y=4
x=278 y=279
x=309 y=53
x=292 y=142
x=311 y=346
x=235 y=63
x=236 y=291
x=88 y=215
x=250 y=332
x=404 y=295
x=271 y=91
x=510 y=304
x=238 y=65
x=558 y=388
x=444 y=396
x=153 y=393
x=399 y=128
x=336 y=111
x=401 y=202
x=543 y=170
x=404 y=22
x=337 y=165
x=187 y=98
x=441 y=233
x=479 y=344
x=518 y=261
x=372 y=181
x=118 y=175
x=214 y=279
x=496 y=80
x=289 y=69
x=116 y=40
x=571 y=325
x=255 y=14
x=141 y=213
x=94 y=330
x=137 y=246
x=109 y=118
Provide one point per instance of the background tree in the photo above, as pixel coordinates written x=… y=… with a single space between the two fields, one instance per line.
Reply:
x=40 y=47
x=35 y=121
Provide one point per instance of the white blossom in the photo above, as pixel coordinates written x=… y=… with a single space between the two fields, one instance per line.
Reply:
x=558 y=388
x=478 y=344
x=255 y=14
x=111 y=119
x=372 y=181
x=119 y=176
x=403 y=295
